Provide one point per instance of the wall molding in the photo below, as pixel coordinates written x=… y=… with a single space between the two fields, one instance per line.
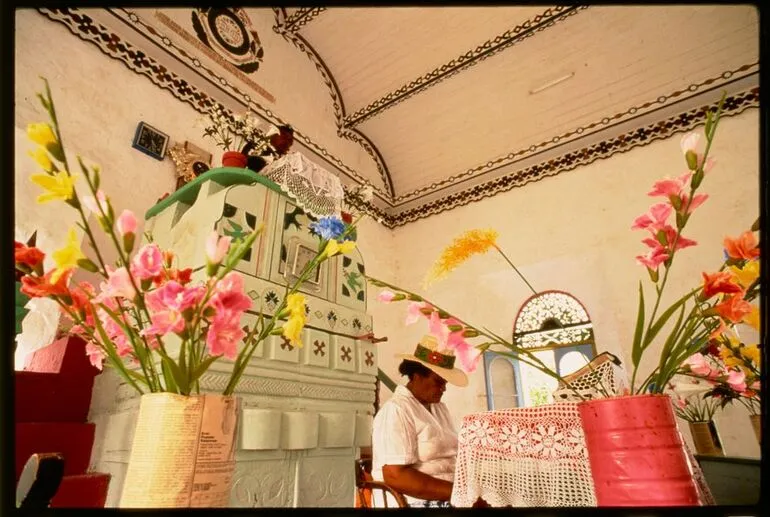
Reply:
x=302 y=17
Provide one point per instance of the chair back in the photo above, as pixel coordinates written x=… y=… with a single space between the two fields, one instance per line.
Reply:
x=366 y=487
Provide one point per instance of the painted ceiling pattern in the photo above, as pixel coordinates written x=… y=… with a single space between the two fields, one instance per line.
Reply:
x=453 y=105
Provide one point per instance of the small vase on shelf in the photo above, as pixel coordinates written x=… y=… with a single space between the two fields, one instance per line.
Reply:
x=706 y=438
x=234 y=159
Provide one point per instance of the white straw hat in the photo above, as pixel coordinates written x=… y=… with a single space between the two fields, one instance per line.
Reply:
x=439 y=361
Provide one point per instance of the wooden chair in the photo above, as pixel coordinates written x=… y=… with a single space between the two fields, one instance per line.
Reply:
x=365 y=487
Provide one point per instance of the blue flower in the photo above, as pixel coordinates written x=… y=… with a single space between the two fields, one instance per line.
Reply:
x=328 y=228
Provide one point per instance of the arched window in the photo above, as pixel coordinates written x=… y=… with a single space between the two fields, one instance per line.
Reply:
x=556 y=328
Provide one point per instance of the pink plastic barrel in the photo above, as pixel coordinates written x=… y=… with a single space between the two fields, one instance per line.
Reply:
x=636 y=453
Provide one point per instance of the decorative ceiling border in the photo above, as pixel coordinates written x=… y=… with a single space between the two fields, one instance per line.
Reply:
x=686 y=121
x=139 y=62
x=582 y=131
x=302 y=17
x=338 y=103
x=487 y=49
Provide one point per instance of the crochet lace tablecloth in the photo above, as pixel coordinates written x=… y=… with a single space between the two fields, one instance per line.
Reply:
x=529 y=457
x=316 y=190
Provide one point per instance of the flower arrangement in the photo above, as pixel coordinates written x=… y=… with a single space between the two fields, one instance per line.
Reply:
x=232 y=133
x=690 y=400
x=147 y=301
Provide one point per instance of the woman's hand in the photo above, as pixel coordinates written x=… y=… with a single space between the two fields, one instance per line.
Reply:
x=410 y=481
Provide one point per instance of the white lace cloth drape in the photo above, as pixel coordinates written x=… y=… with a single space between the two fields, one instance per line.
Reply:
x=530 y=457
x=316 y=190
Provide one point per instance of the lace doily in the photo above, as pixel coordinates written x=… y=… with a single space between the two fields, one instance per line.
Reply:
x=316 y=190
x=603 y=375
x=523 y=457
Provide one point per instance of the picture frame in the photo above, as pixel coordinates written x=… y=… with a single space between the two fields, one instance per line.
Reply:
x=150 y=141
x=302 y=255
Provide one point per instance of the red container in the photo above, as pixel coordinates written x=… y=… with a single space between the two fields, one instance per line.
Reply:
x=234 y=159
x=636 y=452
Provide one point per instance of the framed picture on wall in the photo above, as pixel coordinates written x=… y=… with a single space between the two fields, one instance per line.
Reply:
x=150 y=141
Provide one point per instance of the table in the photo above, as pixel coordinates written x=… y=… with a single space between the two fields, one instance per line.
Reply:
x=527 y=457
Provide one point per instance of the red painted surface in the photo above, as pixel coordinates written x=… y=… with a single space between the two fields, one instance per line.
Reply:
x=52 y=398
x=73 y=439
x=83 y=491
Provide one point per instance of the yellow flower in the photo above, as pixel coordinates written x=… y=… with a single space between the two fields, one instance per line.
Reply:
x=67 y=257
x=41 y=157
x=727 y=355
x=59 y=186
x=751 y=353
x=334 y=248
x=747 y=275
x=752 y=318
x=41 y=133
x=292 y=330
x=473 y=242
x=296 y=304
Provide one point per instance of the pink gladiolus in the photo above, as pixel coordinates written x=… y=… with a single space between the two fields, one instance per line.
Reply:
x=93 y=204
x=229 y=301
x=95 y=355
x=386 y=296
x=655 y=219
x=654 y=258
x=223 y=337
x=414 y=311
x=163 y=322
x=147 y=263
x=216 y=247
x=737 y=380
x=670 y=187
x=681 y=242
x=118 y=284
x=126 y=223
x=697 y=201
x=689 y=142
x=173 y=295
x=698 y=364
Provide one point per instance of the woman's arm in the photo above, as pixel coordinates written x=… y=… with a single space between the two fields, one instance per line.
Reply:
x=410 y=481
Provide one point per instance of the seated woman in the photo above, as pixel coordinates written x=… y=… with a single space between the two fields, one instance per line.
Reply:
x=414 y=443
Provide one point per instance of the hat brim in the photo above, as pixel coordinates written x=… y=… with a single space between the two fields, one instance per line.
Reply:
x=453 y=376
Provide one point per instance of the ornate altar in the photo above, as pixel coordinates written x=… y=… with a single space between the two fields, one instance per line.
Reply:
x=306 y=411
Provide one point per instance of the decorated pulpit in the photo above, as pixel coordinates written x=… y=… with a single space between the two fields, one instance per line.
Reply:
x=306 y=410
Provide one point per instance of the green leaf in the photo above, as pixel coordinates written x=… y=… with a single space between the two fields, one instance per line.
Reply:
x=138 y=376
x=709 y=123
x=663 y=319
x=636 y=349
x=170 y=384
x=178 y=375
x=201 y=369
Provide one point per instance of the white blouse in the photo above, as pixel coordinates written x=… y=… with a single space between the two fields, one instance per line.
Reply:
x=406 y=433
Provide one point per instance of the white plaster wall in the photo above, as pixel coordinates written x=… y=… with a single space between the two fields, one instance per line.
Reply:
x=572 y=232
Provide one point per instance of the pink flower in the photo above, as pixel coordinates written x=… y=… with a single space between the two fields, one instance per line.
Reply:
x=710 y=163
x=454 y=340
x=173 y=295
x=228 y=300
x=147 y=263
x=698 y=364
x=386 y=296
x=216 y=247
x=126 y=223
x=737 y=380
x=689 y=142
x=654 y=258
x=95 y=354
x=223 y=337
x=670 y=187
x=681 y=242
x=118 y=284
x=163 y=322
x=91 y=203
x=656 y=218
x=115 y=332
x=416 y=310
x=697 y=201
